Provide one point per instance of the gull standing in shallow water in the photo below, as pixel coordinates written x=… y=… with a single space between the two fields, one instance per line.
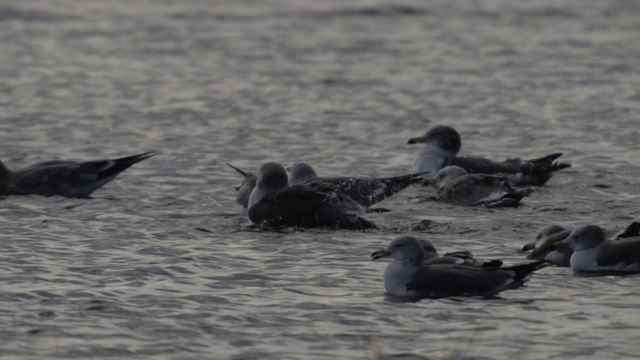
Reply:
x=593 y=252
x=457 y=187
x=273 y=202
x=69 y=178
x=408 y=276
x=365 y=191
x=442 y=144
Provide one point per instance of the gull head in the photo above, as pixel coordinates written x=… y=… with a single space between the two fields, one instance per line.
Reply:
x=272 y=176
x=301 y=172
x=442 y=136
x=585 y=237
x=404 y=249
x=448 y=173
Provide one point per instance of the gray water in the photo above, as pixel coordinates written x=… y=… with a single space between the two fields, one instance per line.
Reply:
x=161 y=264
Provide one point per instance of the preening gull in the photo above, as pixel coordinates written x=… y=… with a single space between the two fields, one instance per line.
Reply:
x=365 y=191
x=408 y=276
x=69 y=178
x=442 y=144
x=274 y=203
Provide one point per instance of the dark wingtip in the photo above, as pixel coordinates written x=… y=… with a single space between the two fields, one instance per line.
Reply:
x=130 y=160
x=238 y=170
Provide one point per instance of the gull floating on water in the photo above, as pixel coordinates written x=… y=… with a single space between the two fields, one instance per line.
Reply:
x=442 y=144
x=365 y=191
x=274 y=203
x=245 y=188
x=408 y=276
x=457 y=187
x=593 y=252
x=67 y=178
x=545 y=245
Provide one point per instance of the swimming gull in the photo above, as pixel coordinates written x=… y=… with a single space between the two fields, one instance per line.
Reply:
x=545 y=245
x=274 y=203
x=457 y=187
x=442 y=143
x=365 y=191
x=593 y=252
x=245 y=188
x=70 y=178
x=408 y=276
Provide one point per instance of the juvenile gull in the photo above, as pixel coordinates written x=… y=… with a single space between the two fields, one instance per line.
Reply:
x=365 y=191
x=408 y=276
x=245 y=188
x=457 y=187
x=274 y=203
x=592 y=251
x=442 y=144
x=69 y=178
x=545 y=245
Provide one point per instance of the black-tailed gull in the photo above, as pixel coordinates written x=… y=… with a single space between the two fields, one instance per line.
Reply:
x=408 y=276
x=442 y=144
x=70 y=178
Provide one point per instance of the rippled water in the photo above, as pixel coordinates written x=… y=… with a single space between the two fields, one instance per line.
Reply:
x=159 y=264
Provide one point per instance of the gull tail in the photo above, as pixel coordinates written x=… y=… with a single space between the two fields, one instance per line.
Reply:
x=544 y=164
x=522 y=272
x=105 y=169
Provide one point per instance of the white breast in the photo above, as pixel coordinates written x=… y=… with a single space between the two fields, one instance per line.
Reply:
x=396 y=277
x=430 y=158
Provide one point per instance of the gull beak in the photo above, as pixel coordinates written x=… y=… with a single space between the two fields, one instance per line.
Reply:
x=528 y=247
x=416 y=140
x=380 y=254
x=562 y=244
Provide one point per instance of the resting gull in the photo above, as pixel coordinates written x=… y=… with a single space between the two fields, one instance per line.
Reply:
x=457 y=187
x=593 y=252
x=545 y=245
x=273 y=202
x=365 y=191
x=408 y=276
x=442 y=144
x=69 y=178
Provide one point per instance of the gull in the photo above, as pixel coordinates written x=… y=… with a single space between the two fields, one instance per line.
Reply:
x=68 y=178
x=273 y=202
x=457 y=187
x=545 y=246
x=364 y=190
x=442 y=144
x=592 y=251
x=408 y=276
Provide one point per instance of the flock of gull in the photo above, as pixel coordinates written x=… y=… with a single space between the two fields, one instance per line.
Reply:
x=304 y=199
